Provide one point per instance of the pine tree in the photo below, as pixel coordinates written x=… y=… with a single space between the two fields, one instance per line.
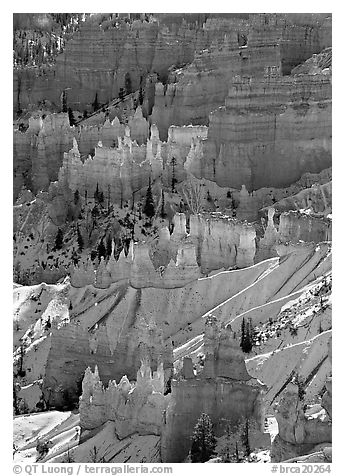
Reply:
x=141 y=96
x=64 y=101
x=173 y=179
x=95 y=103
x=243 y=332
x=96 y=194
x=128 y=83
x=59 y=239
x=203 y=440
x=246 y=336
x=245 y=437
x=162 y=210
x=228 y=450
x=121 y=94
x=101 y=198
x=76 y=197
x=109 y=245
x=71 y=117
x=80 y=240
x=101 y=250
x=149 y=207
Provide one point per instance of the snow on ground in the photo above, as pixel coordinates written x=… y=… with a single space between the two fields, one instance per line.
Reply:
x=58 y=427
x=104 y=446
x=62 y=432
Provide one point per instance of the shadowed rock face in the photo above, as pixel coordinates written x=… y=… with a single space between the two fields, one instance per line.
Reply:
x=223 y=389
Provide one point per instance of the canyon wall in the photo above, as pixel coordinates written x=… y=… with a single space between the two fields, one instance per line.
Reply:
x=60 y=354
x=105 y=53
x=223 y=389
x=271 y=40
x=123 y=53
x=175 y=260
x=283 y=122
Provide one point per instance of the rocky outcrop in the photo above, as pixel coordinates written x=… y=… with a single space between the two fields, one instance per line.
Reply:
x=221 y=242
x=38 y=152
x=317 y=199
x=284 y=121
x=270 y=40
x=124 y=167
x=266 y=248
x=300 y=431
x=174 y=261
x=223 y=389
x=134 y=407
x=305 y=428
x=297 y=226
x=123 y=52
x=60 y=356
x=141 y=407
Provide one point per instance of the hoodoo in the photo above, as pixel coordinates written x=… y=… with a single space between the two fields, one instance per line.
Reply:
x=172 y=238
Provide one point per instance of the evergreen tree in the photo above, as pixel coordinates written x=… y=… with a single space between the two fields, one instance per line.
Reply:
x=121 y=94
x=162 y=210
x=96 y=194
x=246 y=336
x=245 y=437
x=109 y=245
x=168 y=387
x=95 y=103
x=128 y=83
x=64 y=101
x=173 y=179
x=59 y=239
x=141 y=96
x=101 y=198
x=149 y=207
x=101 y=250
x=228 y=449
x=203 y=440
x=243 y=332
x=76 y=197
x=71 y=117
x=80 y=240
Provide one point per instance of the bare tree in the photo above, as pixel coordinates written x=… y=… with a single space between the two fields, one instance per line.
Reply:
x=191 y=192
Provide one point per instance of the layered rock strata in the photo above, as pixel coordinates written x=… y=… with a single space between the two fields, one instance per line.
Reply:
x=271 y=40
x=282 y=121
x=121 y=54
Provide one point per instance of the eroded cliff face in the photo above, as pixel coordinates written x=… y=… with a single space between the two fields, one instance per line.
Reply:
x=282 y=121
x=61 y=344
x=270 y=40
x=294 y=226
x=224 y=390
x=305 y=424
x=38 y=152
x=111 y=154
x=120 y=56
x=134 y=407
